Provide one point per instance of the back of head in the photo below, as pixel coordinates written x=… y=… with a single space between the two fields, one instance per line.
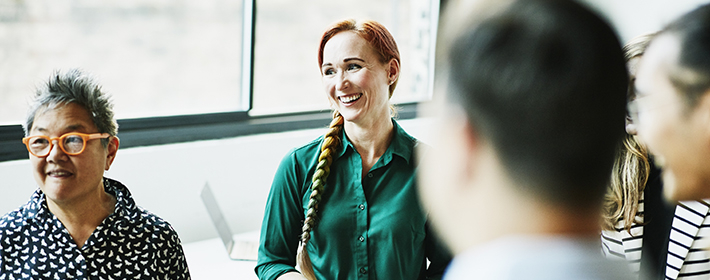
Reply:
x=692 y=77
x=544 y=82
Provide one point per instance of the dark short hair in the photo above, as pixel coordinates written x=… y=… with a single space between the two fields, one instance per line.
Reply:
x=692 y=77
x=74 y=86
x=545 y=83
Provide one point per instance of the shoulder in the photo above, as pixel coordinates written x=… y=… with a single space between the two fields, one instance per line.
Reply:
x=14 y=229
x=303 y=154
x=309 y=149
x=405 y=145
x=151 y=220
x=17 y=218
x=12 y=220
x=159 y=230
x=140 y=221
x=401 y=134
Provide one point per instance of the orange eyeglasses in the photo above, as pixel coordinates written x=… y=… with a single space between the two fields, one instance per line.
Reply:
x=72 y=143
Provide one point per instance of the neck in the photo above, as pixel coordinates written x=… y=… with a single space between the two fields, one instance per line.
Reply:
x=81 y=216
x=496 y=201
x=370 y=139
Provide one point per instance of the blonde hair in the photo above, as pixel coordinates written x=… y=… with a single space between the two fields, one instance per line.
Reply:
x=331 y=143
x=631 y=167
x=628 y=181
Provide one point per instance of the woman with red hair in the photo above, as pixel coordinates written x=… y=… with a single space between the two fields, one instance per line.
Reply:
x=345 y=205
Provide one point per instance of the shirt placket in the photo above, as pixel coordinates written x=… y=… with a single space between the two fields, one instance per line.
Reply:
x=70 y=263
x=361 y=239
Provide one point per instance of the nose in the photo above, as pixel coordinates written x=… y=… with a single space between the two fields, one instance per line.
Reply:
x=342 y=83
x=56 y=153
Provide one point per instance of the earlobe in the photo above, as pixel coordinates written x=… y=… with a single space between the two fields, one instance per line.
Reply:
x=113 y=144
x=631 y=127
x=472 y=142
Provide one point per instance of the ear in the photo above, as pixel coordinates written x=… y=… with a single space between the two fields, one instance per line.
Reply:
x=472 y=147
x=393 y=70
x=113 y=144
x=631 y=126
x=468 y=144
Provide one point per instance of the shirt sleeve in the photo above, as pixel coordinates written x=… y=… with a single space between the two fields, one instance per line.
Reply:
x=281 y=227
x=179 y=269
x=437 y=254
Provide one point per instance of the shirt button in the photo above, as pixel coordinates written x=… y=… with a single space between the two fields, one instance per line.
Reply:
x=363 y=270
x=362 y=239
x=362 y=207
x=369 y=175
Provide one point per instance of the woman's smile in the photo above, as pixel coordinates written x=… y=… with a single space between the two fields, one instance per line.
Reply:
x=349 y=99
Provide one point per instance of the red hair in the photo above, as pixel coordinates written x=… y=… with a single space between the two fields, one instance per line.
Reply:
x=373 y=32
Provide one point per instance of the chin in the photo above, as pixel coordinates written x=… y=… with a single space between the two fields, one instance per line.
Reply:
x=350 y=115
x=688 y=188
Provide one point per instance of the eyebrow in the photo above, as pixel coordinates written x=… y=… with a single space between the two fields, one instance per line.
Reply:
x=70 y=128
x=344 y=60
x=353 y=58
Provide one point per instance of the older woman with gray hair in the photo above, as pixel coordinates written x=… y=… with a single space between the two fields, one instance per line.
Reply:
x=80 y=224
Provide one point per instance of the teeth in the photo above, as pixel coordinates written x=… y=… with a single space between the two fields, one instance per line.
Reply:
x=59 y=173
x=348 y=99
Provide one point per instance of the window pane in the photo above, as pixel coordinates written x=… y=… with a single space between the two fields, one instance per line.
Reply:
x=156 y=57
x=286 y=71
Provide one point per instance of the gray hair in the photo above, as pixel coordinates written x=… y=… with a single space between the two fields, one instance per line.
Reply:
x=74 y=86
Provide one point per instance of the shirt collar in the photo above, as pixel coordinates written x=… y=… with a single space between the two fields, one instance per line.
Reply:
x=125 y=207
x=402 y=145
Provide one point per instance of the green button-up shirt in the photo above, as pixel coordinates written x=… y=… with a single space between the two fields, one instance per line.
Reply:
x=370 y=227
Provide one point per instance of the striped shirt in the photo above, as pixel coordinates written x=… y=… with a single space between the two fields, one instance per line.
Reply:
x=688 y=256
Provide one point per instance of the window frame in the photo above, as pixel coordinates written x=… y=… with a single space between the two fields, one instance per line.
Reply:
x=165 y=130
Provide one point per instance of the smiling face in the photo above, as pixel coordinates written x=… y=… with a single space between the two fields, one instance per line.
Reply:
x=356 y=81
x=68 y=179
x=676 y=134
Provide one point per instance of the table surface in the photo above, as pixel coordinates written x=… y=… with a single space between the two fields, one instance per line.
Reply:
x=208 y=259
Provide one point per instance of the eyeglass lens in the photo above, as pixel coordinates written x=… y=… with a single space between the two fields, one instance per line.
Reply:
x=72 y=144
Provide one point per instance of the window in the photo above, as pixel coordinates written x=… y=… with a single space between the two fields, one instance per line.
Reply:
x=286 y=71
x=183 y=70
x=156 y=58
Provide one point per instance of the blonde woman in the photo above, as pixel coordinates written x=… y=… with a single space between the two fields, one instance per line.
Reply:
x=346 y=203
x=658 y=240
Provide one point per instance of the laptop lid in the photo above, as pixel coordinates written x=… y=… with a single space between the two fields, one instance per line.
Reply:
x=218 y=219
x=242 y=250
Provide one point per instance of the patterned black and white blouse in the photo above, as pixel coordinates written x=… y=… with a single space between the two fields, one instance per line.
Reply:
x=131 y=243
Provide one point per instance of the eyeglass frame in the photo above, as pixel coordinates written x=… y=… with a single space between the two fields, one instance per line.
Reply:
x=60 y=142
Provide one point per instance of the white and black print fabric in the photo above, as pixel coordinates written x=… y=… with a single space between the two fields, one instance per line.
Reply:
x=131 y=243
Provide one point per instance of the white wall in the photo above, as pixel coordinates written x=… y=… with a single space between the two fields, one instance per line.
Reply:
x=167 y=179
x=636 y=17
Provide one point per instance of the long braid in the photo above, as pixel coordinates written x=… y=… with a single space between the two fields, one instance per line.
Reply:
x=331 y=143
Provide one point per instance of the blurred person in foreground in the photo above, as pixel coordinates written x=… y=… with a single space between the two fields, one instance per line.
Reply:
x=349 y=197
x=533 y=110
x=640 y=226
x=79 y=224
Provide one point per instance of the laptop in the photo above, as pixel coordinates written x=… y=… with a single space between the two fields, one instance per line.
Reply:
x=241 y=250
